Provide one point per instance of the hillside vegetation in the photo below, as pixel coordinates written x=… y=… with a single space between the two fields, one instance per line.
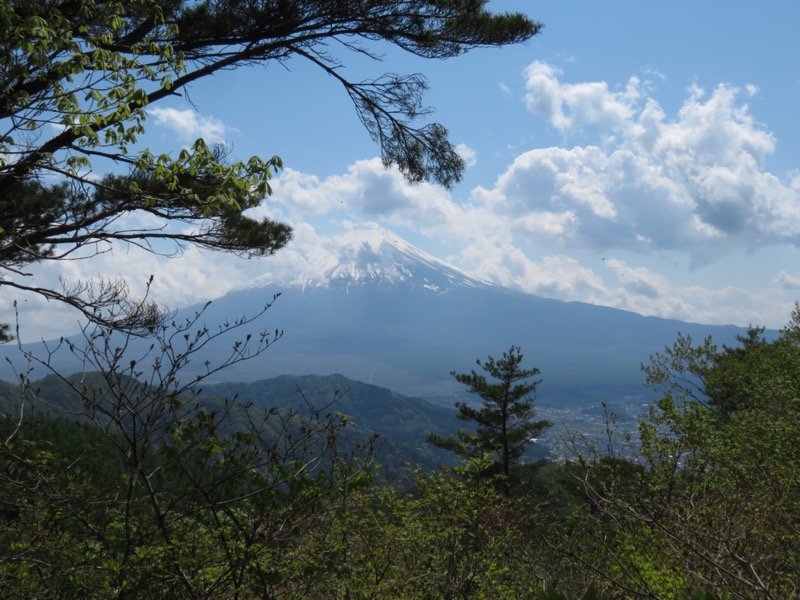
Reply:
x=113 y=487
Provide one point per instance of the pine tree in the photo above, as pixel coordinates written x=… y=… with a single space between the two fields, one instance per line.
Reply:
x=506 y=423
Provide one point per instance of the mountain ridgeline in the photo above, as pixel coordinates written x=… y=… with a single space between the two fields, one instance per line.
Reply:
x=401 y=423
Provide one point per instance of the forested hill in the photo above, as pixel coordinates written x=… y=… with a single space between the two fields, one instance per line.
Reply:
x=401 y=422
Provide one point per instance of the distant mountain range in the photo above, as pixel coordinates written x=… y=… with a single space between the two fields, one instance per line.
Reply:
x=385 y=312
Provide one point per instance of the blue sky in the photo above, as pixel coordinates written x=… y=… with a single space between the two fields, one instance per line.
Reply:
x=635 y=154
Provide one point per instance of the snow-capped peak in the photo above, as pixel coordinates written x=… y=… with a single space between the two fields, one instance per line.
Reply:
x=376 y=257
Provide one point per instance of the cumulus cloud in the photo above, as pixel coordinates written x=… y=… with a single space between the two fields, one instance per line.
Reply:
x=368 y=190
x=555 y=276
x=694 y=181
x=638 y=280
x=568 y=105
x=189 y=124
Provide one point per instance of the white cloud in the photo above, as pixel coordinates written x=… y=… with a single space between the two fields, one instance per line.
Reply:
x=368 y=190
x=189 y=124
x=469 y=155
x=568 y=105
x=560 y=277
x=694 y=182
x=638 y=281
x=787 y=281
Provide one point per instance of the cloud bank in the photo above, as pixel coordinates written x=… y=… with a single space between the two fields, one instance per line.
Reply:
x=650 y=188
x=695 y=182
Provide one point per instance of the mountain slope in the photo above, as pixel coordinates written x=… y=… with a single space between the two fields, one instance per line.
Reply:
x=401 y=422
x=379 y=310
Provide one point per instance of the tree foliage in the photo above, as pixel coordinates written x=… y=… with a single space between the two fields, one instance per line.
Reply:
x=144 y=490
x=505 y=420
x=155 y=492
x=713 y=501
x=77 y=78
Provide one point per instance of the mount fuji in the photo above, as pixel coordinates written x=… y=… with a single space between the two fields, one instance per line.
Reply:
x=376 y=257
x=379 y=310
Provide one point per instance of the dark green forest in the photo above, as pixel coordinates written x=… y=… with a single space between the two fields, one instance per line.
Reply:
x=125 y=482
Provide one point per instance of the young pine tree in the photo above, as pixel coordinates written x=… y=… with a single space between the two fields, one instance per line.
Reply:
x=506 y=423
